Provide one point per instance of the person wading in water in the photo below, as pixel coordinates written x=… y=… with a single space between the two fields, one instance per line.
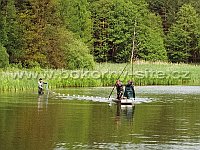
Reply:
x=120 y=89
x=40 y=86
x=129 y=90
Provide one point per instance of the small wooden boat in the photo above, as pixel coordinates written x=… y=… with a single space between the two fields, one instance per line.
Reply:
x=124 y=101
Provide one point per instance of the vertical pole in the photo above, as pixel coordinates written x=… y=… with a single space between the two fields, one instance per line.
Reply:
x=133 y=48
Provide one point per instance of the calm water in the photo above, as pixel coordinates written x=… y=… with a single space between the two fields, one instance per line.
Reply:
x=163 y=118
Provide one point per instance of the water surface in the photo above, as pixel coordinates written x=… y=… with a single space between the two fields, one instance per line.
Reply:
x=164 y=117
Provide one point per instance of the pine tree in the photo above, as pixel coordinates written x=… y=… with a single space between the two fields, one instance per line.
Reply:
x=46 y=40
x=14 y=33
x=183 y=39
x=3 y=32
x=168 y=9
x=41 y=22
x=4 y=57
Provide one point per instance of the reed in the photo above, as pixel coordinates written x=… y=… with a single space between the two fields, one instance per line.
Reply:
x=105 y=74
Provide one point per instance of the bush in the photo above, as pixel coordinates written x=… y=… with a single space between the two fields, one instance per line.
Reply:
x=77 y=54
x=31 y=64
x=4 y=57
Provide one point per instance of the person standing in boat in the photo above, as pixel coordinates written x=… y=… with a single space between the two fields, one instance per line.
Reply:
x=129 y=90
x=40 y=86
x=120 y=89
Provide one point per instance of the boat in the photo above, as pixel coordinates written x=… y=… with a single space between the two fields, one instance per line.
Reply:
x=124 y=101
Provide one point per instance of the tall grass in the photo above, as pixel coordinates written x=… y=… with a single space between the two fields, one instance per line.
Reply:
x=105 y=74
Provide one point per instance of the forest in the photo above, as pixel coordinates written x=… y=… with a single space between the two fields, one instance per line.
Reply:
x=73 y=34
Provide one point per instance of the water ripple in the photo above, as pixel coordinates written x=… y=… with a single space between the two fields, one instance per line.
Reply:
x=99 y=99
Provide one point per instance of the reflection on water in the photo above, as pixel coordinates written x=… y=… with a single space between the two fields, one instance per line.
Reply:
x=129 y=111
x=124 y=112
x=170 y=120
x=42 y=103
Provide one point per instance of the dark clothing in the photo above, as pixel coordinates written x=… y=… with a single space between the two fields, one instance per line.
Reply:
x=40 y=91
x=129 y=91
x=120 y=91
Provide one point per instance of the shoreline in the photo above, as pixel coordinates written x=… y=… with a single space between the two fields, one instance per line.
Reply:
x=104 y=75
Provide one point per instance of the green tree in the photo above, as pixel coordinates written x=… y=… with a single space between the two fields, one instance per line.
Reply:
x=182 y=42
x=40 y=21
x=168 y=9
x=76 y=53
x=4 y=57
x=77 y=18
x=150 y=38
x=3 y=32
x=14 y=33
x=114 y=24
x=91 y=1
x=47 y=43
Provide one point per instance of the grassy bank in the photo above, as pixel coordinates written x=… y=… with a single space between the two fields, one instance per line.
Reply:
x=14 y=79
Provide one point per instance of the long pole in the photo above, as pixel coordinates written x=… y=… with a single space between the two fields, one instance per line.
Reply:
x=117 y=78
x=133 y=48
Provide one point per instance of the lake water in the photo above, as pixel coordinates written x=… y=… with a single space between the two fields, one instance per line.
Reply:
x=164 y=117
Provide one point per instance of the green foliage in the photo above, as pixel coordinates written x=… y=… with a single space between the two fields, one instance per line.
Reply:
x=33 y=21
x=45 y=38
x=183 y=39
x=77 y=18
x=55 y=55
x=114 y=23
x=168 y=9
x=77 y=55
x=4 y=57
x=14 y=33
x=64 y=33
x=145 y=73
x=150 y=38
x=3 y=32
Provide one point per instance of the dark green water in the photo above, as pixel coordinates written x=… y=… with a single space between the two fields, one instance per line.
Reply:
x=170 y=120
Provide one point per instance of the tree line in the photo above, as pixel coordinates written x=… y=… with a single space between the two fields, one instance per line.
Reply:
x=75 y=33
